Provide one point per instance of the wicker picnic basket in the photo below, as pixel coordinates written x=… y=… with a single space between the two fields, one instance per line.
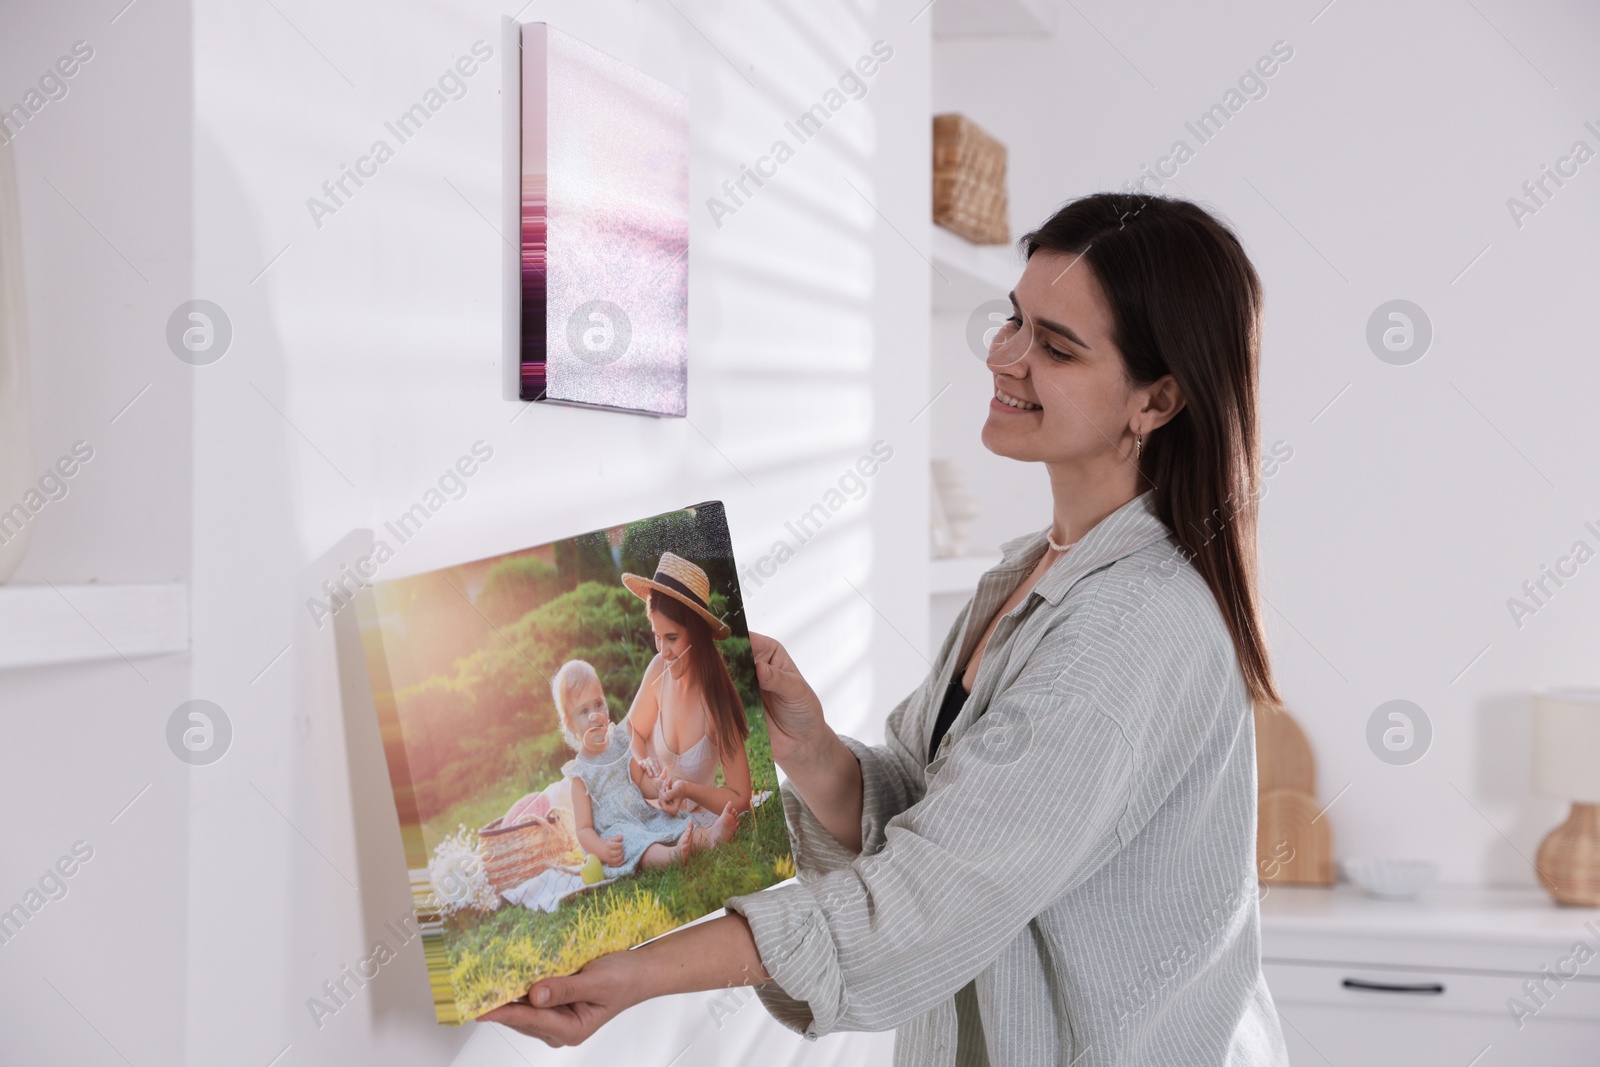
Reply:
x=969 y=181
x=513 y=854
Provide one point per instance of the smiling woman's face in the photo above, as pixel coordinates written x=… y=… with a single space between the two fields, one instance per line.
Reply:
x=1056 y=356
x=671 y=640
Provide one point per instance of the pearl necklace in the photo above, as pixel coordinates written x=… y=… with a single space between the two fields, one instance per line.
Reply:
x=1058 y=548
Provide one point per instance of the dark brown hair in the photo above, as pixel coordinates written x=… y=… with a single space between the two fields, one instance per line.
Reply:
x=1185 y=301
x=725 y=718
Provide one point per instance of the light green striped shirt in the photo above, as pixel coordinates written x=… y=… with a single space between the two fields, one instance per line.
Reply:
x=1072 y=879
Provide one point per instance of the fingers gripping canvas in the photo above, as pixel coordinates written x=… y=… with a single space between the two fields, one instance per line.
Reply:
x=577 y=749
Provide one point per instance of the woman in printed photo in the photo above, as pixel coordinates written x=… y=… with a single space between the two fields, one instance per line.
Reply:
x=687 y=719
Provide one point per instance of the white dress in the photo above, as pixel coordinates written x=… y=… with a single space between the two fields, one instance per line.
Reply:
x=698 y=764
x=618 y=807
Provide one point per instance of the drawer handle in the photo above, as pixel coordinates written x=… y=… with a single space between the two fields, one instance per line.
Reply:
x=1389 y=987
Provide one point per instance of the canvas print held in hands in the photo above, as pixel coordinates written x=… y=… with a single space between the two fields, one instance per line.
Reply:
x=577 y=749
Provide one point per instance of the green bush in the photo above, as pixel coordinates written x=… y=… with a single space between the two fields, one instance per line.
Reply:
x=515 y=586
x=495 y=718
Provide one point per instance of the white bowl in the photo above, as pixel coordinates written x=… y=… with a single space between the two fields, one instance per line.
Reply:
x=1390 y=879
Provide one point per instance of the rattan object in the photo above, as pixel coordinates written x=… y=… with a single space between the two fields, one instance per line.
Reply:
x=1569 y=858
x=1566 y=740
x=513 y=854
x=969 y=181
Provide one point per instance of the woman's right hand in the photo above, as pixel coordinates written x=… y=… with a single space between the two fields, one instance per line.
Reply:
x=795 y=724
x=669 y=792
x=821 y=767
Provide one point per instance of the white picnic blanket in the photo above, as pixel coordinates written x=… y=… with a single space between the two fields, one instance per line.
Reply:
x=545 y=890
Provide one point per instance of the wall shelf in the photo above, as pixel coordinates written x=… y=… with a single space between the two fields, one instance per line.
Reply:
x=964 y=275
x=43 y=624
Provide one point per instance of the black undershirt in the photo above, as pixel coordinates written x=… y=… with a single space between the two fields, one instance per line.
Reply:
x=954 y=697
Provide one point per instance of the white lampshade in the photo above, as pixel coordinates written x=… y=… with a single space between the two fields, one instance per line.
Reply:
x=1566 y=744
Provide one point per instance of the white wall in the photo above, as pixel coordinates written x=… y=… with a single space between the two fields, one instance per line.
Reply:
x=104 y=187
x=366 y=360
x=1377 y=167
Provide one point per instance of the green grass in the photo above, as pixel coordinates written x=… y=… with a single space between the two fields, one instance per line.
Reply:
x=494 y=958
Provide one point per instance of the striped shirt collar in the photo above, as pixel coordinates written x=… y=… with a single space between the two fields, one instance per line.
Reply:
x=1123 y=532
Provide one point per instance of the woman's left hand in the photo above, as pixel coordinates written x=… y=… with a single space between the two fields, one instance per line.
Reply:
x=716 y=954
x=670 y=790
x=567 y=1010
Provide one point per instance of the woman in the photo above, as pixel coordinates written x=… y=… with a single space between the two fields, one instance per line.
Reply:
x=1051 y=859
x=687 y=718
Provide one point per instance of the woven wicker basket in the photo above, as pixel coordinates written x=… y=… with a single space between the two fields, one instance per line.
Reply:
x=969 y=181
x=513 y=854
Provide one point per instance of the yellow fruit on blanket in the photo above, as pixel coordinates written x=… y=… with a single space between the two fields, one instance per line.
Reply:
x=591 y=870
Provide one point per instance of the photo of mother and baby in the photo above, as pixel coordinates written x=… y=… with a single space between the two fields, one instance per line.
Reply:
x=644 y=790
x=578 y=749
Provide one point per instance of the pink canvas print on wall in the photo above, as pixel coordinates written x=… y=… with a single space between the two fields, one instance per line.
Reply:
x=605 y=230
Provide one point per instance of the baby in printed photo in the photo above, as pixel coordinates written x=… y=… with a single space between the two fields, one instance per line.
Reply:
x=614 y=819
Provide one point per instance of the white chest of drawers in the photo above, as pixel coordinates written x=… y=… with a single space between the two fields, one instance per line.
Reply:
x=1457 y=977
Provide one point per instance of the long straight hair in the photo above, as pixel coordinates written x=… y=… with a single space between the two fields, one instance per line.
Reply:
x=725 y=719
x=1185 y=301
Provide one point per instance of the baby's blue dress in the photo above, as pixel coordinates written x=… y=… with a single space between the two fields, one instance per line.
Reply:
x=618 y=806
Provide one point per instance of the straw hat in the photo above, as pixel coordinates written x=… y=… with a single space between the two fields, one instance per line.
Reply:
x=683 y=581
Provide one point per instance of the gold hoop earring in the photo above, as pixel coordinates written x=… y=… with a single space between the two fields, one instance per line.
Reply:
x=1138 y=446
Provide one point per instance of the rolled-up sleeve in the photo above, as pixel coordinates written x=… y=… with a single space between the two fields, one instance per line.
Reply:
x=890 y=783
x=1025 y=807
